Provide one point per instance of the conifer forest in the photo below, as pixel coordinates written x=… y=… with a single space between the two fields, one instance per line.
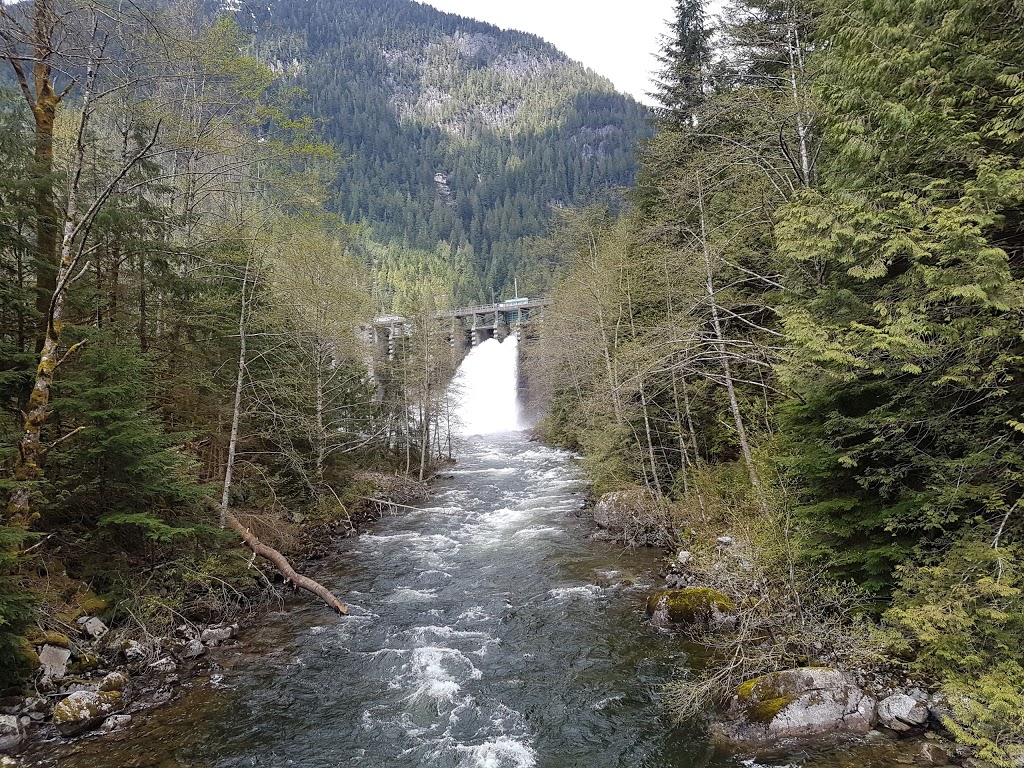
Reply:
x=785 y=340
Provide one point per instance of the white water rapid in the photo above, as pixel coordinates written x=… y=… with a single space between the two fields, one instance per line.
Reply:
x=485 y=389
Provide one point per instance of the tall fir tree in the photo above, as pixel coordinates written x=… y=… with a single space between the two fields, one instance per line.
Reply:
x=685 y=58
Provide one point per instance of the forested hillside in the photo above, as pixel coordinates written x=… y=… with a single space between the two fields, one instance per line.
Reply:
x=806 y=337
x=457 y=138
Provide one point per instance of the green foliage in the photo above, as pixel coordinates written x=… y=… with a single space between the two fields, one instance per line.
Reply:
x=906 y=310
x=988 y=713
x=17 y=315
x=16 y=604
x=122 y=470
x=965 y=612
x=685 y=57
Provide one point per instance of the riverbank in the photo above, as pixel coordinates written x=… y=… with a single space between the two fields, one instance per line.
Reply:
x=780 y=659
x=91 y=678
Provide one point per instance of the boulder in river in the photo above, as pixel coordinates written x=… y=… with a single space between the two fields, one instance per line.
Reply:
x=84 y=710
x=615 y=510
x=115 y=723
x=696 y=608
x=12 y=732
x=797 y=703
x=191 y=649
x=217 y=635
x=901 y=712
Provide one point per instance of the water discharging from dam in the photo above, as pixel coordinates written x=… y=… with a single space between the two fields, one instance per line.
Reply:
x=485 y=387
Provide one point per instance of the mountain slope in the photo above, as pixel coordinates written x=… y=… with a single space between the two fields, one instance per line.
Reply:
x=454 y=131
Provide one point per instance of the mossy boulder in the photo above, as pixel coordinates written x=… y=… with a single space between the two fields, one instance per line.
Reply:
x=28 y=655
x=83 y=603
x=85 y=710
x=807 y=702
x=115 y=681
x=85 y=662
x=697 y=607
x=635 y=513
x=45 y=637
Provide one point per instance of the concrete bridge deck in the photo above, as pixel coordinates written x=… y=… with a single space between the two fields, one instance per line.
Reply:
x=469 y=325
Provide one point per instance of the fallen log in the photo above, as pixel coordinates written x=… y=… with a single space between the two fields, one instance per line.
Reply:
x=283 y=566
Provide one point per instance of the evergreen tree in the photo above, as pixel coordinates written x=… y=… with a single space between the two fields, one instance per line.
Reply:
x=120 y=469
x=685 y=58
x=906 y=263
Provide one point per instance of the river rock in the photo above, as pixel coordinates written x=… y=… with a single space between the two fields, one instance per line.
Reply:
x=191 y=649
x=797 y=703
x=115 y=723
x=697 y=608
x=12 y=732
x=684 y=557
x=133 y=650
x=217 y=635
x=35 y=707
x=93 y=627
x=932 y=755
x=636 y=516
x=901 y=712
x=163 y=666
x=939 y=709
x=612 y=509
x=54 y=661
x=115 y=681
x=84 y=710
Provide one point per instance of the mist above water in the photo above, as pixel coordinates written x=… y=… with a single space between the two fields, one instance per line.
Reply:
x=485 y=388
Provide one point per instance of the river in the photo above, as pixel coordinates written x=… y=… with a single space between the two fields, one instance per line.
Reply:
x=487 y=630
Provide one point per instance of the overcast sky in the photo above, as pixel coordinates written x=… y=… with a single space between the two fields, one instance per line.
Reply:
x=617 y=40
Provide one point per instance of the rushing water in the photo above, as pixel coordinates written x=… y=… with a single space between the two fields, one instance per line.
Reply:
x=487 y=631
x=485 y=388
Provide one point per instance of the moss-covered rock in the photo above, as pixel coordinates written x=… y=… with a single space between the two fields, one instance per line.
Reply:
x=93 y=605
x=637 y=514
x=85 y=710
x=45 y=637
x=797 y=703
x=28 y=655
x=115 y=681
x=698 y=607
x=82 y=603
x=84 y=662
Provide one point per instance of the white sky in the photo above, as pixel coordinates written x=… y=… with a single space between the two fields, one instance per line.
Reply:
x=616 y=39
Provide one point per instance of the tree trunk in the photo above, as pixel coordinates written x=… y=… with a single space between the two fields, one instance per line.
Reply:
x=802 y=129
x=236 y=411
x=684 y=460
x=143 y=315
x=716 y=322
x=43 y=100
x=28 y=463
x=282 y=564
x=320 y=448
